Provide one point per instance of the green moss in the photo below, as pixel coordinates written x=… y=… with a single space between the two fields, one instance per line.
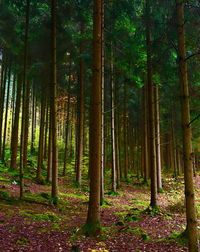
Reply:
x=179 y=237
x=140 y=203
x=92 y=229
x=74 y=195
x=37 y=198
x=48 y=216
x=152 y=211
x=22 y=241
x=112 y=193
x=4 y=195
x=138 y=232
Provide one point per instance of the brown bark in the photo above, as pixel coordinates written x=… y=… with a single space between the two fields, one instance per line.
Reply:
x=41 y=140
x=152 y=150
x=53 y=109
x=15 y=130
x=81 y=115
x=93 y=217
x=187 y=134
x=6 y=115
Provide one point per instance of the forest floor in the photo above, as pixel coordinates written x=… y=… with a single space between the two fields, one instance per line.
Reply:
x=34 y=224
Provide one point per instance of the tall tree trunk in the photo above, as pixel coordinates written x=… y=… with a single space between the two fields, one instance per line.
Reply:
x=53 y=110
x=157 y=135
x=67 y=128
x=26 y=124
x=81 y=115
x=93 y=217
x=125 y=132
x=187 y=133
x=102 y=109
x=49 y=160
x=6 y=115
x=15 y=130
x=24 y=98
x=2 y=101
x=41 y=139
x=33 y=120
x=114 y=175
x=152 y=161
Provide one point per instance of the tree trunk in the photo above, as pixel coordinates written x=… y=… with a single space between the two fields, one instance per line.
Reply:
x=6 y=115
x=24 y=98
x=53 y=110
x=2 y=100
x=152 y=161
x=102 y=109
x=81 y=116
x=157 y=135
x=41 y=139
x=67 y=122
x=93 y=217
x=26 y=124
x=113 y=150
x=187 y=133
x=15 y=130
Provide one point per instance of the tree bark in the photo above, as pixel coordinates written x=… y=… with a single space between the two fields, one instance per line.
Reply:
x=152 y=161
x=53 y=109
x=187 y=134
x=93 y=217
x=6 y=116
x=81 y=115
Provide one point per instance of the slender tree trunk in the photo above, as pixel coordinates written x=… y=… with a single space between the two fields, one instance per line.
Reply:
x=24 y=98
x=157 y=135
x=6 y=115
x=49 y=160
x=152 y=161
x=125 y=133
x=67 y=128
x=81 y=116
x=53 y=110
x=93 y=217
x=2 y=101
x=102 y=109
x=15 y=131
x=26 y=124
x=41 y=139
x=114 y=175
x=187 y=134
x=46 y=130
x=33 y=121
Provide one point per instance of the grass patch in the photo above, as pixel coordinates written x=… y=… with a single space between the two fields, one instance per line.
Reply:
x=137 y=232
x=23 y=241
x=75 y=196
x=48 y=216
x=179 y=237
x=152 y=211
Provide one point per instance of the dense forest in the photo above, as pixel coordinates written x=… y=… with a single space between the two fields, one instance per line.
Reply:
x=99 y=125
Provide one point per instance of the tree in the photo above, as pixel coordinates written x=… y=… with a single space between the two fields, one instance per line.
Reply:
x=152 y=150
x=93 y=217
x=53 y=111
x=191 y=228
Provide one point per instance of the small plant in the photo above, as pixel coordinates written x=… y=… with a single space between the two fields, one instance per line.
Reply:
x=22 y=241
x=179 y=237
x=152 y=211
x=112 y=193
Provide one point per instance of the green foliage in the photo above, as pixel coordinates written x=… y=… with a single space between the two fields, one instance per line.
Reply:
x=92 y=229
x=179 y=237
x=23 y=241
x=4 y=195
x=138 y=232
x=152 y=211
x=48 y=216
